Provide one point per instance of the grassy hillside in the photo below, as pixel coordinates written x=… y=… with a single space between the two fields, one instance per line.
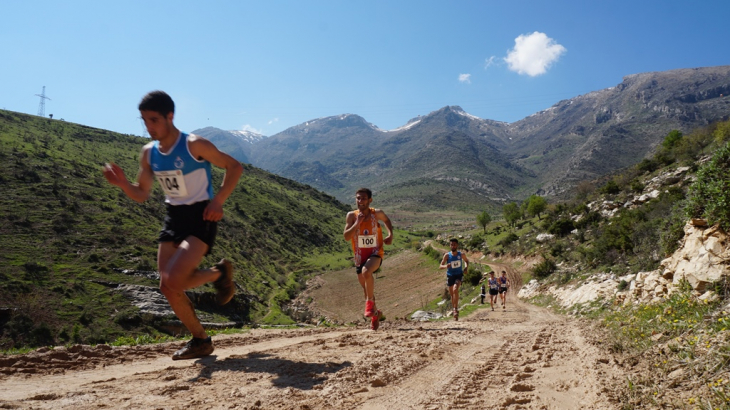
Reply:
x=67 y=236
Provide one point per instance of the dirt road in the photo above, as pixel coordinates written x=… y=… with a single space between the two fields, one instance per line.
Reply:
x=521 y=358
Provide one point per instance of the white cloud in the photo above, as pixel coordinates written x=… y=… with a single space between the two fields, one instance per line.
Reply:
x=275 y=120
x=465 y=78
x=490 y=62
x=249 y=128
x=533 y=54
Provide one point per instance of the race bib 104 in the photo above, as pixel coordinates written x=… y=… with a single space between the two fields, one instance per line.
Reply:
x=172 y=182
x=367 y=241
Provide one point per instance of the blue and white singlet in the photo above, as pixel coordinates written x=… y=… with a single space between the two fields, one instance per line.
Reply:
x=457 y=267
x=185 y=179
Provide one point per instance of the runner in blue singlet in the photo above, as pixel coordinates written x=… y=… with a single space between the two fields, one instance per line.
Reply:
x=181 y=163
x=455 y=264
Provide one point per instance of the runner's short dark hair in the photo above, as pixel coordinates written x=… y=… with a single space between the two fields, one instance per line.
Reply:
x=157 y=101
x=365 y=191
x=454 y=240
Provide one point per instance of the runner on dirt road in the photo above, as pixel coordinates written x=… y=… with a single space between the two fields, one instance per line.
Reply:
x=455 y=264
x=181 y=163
x=363 y=230
x=493 y=289
x=503 y=288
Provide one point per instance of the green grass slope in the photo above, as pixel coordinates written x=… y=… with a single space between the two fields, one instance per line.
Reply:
x=67 y=236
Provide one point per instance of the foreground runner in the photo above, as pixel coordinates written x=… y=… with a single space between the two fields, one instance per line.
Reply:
x=181 y=163
x=455 y=264
x=503 y=288
x=493 y=290
x=362 y=228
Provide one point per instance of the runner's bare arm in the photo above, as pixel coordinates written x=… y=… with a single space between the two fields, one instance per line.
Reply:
x=201 y=148
x=444 y=262
x=351 y=224
x=381 y=216
x=140 y=190
x=466 y=262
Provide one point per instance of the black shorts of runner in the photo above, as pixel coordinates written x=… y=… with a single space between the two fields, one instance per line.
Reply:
x=182 y=221
x=502 y=290
x=451 y=280
x=493 y=292
x=358 y=269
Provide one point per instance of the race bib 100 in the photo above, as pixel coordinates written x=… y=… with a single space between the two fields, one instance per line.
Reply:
x=367 y=241
x=172 y=182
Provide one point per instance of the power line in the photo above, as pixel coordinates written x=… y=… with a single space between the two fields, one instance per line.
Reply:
x=42 y=105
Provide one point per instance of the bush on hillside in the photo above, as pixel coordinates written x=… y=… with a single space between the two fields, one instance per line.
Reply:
x=475 y=242
x=647 y=165
x=709 y=195
x=507 y=240
x=544 y=269
x=562 y=227
x=472 y=276
x=433 y=253
x=610 y=188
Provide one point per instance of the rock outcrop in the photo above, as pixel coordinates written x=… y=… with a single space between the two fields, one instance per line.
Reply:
x=703 y=259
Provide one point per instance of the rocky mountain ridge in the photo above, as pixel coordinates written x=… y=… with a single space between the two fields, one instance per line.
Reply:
x=485 y=162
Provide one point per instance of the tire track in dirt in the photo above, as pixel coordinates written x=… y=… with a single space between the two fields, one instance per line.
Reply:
x=523 y=357
x=520 y=358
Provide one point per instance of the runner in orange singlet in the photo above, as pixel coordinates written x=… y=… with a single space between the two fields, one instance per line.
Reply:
x=363 y=229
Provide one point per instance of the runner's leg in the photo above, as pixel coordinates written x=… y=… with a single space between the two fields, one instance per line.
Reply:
x=367 y=281
x=178 y=272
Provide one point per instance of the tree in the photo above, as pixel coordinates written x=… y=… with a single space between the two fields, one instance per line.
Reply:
x=511 y=213
x=536 y=205
x=483 y=219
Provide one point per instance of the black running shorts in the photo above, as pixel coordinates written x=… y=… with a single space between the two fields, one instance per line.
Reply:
x=358 y=269
x=451 y=280
x=182 y=221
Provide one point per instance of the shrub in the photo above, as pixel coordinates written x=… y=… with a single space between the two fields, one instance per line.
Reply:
x=623 y=285
x=433 y=253
x=475 y=242
x=472 y=276
x=562 y=227
x=647 y=165
x=544 y=268
x=507 y=240
x=610 y=188
x=709 y=195
x=637 y=186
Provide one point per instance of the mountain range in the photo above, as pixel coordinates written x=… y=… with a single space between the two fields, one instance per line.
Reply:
x=450 y=159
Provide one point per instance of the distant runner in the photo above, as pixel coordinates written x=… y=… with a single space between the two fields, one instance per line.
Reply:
x=455 y=264
x=483 y=293
x=503 y=288
x=363 y=230
x=181 y=163
x=493 y=290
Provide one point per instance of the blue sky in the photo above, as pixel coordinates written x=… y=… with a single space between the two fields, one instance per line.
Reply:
x=269 y=65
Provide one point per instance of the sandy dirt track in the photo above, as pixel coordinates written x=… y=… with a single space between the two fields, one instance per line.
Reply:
x=521 y=358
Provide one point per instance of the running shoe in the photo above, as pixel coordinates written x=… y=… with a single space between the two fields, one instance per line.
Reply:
x=369 y=308
x=194 y=348
x=456 y=314
x=375 y=320
x=504 y=307
x=224 y=284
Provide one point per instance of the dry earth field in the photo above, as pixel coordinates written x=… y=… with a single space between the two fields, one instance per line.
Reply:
x=523 y=357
